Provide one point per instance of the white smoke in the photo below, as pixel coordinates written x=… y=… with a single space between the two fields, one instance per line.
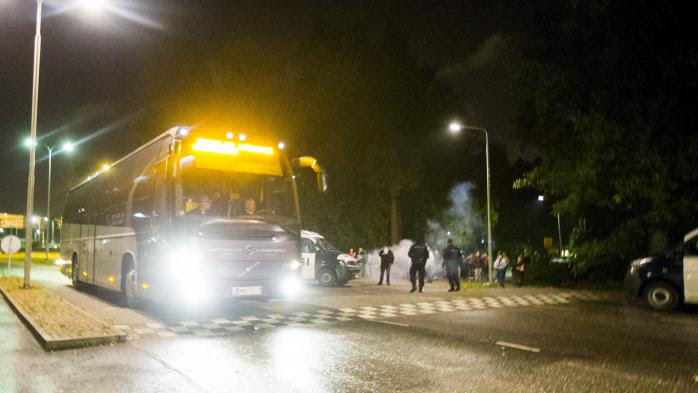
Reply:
x=401 y=265
x=459 y=222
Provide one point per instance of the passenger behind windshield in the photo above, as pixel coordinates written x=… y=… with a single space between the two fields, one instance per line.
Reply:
x=213 y=193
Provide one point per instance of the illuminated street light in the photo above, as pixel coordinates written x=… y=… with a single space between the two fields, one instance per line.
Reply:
x=454 y=128
x=93 y=6
x=67 y=147
x=281 y=145
x=541 y=198
x=242 y=137
x=105 y=167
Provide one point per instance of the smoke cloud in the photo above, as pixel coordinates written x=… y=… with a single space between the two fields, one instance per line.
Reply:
x=459 y=222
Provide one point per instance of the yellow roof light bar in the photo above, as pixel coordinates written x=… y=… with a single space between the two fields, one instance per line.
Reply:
x=256 y=149
x=214 y=146
x=229 y=148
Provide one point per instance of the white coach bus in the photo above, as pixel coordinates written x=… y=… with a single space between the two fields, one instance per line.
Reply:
x=190 y=216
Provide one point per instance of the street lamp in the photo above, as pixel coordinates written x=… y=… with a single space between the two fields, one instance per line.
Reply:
x=67 y=147
x=541 y=198
x=32 y=145
x=455 y=128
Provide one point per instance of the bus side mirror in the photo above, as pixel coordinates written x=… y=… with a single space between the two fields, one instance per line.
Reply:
x=311 y=162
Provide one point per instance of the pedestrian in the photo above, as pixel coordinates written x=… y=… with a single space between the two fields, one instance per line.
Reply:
x=351 y=252
x=463 y=267
x=485 y=265
x=418 y=253
x=452 y=258
x=477 y=266
x=500 y=265
x=361 y=260
x=387 y=259
x=520 y=268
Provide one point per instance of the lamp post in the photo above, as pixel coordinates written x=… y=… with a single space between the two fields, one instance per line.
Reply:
x=456 y=127
x=32 y=146
x=541 y=199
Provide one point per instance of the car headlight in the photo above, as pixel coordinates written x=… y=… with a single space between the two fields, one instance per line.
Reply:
x=293 y=265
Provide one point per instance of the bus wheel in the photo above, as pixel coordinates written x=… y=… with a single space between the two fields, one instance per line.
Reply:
x=326 y=277
x=128 y=285
x=75 y=274
x=661 y=296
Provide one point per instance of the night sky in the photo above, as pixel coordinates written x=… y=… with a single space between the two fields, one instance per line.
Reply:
x=93 y=67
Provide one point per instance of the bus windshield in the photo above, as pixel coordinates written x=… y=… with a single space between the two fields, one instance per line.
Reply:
x=225 y=194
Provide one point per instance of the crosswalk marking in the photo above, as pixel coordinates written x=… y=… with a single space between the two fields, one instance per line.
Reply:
x=222 y=326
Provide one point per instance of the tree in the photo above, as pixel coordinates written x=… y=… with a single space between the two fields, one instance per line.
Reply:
x=610 y=94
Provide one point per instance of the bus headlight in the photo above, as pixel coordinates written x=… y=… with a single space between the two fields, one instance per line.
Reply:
x=291 y=285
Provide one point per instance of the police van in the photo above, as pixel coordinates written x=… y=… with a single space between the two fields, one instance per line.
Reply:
x=324 y=263
x=667 y=279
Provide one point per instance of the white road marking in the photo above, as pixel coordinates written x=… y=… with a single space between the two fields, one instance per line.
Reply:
x=393 y=323
x=517 y=346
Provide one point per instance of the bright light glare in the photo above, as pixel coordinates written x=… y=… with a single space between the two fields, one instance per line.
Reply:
x=229 y=135
x=68 y=147
x=105 y=167
x=242 y=137
x=291 y=285
x=229 y=148
x=455 y=127
x=541 y=198
x=93 y=6
x=281 y=145
x=28 y=142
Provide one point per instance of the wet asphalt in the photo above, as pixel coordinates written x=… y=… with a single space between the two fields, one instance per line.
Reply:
x=599 y=345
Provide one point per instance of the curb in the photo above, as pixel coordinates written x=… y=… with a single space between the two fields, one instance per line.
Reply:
x=51 y=344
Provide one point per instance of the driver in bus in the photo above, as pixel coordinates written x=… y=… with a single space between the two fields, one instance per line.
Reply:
x=204 y=208
x=249 y=207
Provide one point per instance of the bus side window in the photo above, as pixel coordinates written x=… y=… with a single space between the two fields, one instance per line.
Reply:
x=160 y=193
x=142 y=207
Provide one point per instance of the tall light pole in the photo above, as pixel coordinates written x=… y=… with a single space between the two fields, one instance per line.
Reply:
x=32 y=146
x=28 y=236
x=541 y=198
x=456 y=127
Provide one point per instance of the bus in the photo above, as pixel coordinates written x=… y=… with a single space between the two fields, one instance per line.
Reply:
x=192 y=216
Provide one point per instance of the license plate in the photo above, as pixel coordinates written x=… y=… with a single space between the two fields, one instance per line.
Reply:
x=246 y=291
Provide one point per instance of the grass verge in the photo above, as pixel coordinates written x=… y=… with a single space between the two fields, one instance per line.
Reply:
x=56 y=323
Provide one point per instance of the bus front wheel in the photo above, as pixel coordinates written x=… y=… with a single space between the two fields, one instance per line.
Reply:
x=129 y=285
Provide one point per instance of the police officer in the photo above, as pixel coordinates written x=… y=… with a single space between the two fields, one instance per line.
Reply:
x=387 y=259
x=419 y=255
x=452 y=259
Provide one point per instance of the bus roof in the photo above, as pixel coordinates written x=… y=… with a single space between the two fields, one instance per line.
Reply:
x=171 y=132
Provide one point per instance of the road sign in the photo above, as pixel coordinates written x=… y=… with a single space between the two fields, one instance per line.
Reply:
x=10 y=244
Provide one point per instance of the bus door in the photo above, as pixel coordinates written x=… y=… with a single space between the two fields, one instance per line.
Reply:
x=690 y=271
x=308 y=259
x=87 y=253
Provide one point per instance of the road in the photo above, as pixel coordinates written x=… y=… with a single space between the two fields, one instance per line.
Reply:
x=366 y=338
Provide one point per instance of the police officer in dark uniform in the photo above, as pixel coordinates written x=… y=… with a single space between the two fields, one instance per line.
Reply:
x=452 y=259
x=419 y=255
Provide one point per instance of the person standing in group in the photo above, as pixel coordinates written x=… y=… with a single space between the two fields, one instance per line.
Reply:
x=484 y=267
x=361 y=260
x=519 y=269
x=476 y=263
x=419 y=253
x=452 y=258
x=351 y=252
x=387 y=259
x=500 y=265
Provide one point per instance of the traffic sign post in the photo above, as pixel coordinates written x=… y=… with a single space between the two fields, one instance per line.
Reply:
x=10 y=244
